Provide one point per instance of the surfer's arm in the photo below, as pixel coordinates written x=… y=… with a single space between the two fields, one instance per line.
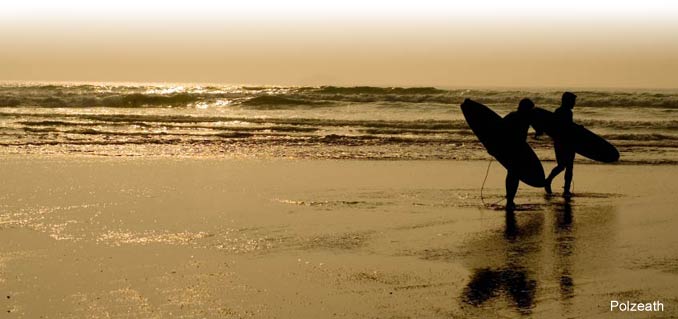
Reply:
x=537 y=132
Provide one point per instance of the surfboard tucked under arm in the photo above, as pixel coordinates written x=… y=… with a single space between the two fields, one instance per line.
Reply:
x=515 y=155
x=584 y=142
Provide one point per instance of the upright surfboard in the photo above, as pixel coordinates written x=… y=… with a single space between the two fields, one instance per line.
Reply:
x=583 y=141
x=516 y=156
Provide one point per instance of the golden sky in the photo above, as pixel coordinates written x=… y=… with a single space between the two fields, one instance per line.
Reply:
x=406 y=43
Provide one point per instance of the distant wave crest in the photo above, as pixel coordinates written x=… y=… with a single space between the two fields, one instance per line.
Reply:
x=80 y=101
x=79 y=96
x=274 y=101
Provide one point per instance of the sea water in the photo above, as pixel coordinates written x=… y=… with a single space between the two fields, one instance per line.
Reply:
x=107 y=119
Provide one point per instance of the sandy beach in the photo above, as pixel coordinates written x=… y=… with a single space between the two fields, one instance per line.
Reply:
x=338 y=159
x=92 y=237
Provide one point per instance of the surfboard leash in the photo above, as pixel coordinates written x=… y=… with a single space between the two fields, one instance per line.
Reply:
x=487 y=171
x=482 y=199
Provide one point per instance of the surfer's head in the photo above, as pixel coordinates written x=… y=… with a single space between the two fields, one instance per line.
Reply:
x=569 y=99
x=525 y=105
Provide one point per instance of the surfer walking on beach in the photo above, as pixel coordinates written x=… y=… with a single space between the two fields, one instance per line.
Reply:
x=563 y=144
x=517 y=123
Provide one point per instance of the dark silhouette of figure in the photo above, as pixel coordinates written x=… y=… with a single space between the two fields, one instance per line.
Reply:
x=563 y=144
x=514 y=279
x=517 y=123
x=488 y=283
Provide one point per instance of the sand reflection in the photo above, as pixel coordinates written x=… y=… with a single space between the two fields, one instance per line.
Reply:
x=526 y=266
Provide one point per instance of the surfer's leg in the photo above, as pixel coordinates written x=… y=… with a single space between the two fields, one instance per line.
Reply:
x=512 y=182
x=562 y=163
x=568 y=175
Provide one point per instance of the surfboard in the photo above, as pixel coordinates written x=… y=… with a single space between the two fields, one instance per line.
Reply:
x=514 y=155
x=584 y=142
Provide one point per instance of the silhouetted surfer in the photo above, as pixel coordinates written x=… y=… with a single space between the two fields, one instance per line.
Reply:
x=563 y=145
x=517 y=123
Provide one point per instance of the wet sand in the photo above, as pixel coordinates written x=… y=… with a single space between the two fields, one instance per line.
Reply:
x=208 y=238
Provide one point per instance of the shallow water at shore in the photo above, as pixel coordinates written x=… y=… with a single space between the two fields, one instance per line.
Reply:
x=307 y=122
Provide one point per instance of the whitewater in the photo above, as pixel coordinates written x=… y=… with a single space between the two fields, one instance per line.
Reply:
x=384 y=123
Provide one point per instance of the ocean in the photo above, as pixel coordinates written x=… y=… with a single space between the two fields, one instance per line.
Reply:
x=325 y=122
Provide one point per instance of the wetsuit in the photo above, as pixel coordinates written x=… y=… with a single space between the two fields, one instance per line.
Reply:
x=563 y=148
x=516 y=124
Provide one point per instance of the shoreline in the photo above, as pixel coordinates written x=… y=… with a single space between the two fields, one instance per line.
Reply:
x=214 y=157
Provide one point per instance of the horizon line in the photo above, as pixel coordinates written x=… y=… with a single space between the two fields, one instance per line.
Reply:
x=385 y=85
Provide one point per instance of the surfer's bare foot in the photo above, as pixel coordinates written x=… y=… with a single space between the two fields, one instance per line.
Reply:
x=510 y=206
x=547 y=187
x=567 y=194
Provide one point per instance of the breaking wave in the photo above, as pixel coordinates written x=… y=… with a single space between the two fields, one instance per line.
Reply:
x=276 y=101
x=361 y=122
x=78 y=96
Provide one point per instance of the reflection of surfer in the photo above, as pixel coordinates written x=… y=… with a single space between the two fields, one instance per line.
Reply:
x=517 y=123
x=563 y=144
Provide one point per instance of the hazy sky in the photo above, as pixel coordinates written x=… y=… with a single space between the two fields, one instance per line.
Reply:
x=408 y=43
